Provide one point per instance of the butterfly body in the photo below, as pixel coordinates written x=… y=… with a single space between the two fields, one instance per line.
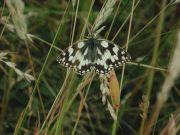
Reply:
x=93 y=54
x=90 y=45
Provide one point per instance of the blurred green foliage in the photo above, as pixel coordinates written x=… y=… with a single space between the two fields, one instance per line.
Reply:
x=42 y=18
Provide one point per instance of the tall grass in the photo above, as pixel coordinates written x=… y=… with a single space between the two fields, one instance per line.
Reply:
x=59 y=101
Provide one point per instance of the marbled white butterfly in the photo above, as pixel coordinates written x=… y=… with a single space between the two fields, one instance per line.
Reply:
x=93 y=54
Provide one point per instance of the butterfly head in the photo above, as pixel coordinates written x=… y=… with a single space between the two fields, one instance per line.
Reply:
x=91 y=35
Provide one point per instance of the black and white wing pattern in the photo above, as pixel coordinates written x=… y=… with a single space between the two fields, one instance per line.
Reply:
x=98 y=54
x=75 y=57
x=109 y=56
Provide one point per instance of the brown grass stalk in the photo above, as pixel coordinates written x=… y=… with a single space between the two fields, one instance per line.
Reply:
x=174 y=71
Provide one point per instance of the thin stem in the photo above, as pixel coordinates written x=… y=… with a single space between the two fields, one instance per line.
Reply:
x=87 y=18
x=42 y=40
x=140 y=31
x=147 y=66
x=81 y=105
x=74 y=25
x=114 y=128
x=34 y=74
x=153 y=63
x=119 y=30
x=24 y=114
x=5 y=25
x=115 y=15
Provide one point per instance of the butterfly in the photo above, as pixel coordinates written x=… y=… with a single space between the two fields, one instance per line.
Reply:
x=93 y=54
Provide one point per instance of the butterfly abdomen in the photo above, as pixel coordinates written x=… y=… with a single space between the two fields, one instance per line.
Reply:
x=92 y=49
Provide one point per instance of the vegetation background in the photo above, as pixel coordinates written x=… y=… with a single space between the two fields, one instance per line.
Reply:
x=39 y=96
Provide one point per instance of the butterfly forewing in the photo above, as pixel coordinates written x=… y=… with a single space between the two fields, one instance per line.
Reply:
x=98 y=54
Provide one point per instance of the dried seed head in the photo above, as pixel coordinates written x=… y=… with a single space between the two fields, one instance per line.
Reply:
x=144 y=105
x=104 y=87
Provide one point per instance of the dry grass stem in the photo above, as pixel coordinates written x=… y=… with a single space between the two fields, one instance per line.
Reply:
x=148 y=66
x=173 y=126
x=174 y=72
x=114 y=90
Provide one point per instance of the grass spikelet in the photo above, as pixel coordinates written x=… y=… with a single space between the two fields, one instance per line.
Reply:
x=16 y=8
x=172 y=127
x=73 y=3
x=104 y=87
x=109 y=86
x=144 y=105
x=103 y=15
x=4 y=59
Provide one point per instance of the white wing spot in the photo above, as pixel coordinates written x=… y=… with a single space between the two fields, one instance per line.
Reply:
x=98 y=61
x=123 y=58
x=107 y=54
x=115 y=57
x=87 y=62
x=104 y=44
x=83 y=71
x=123 y=52
x=83 y=63
x=112 y=59
x=102 y=62
x=115 y=49
x=99 y=52
x=79 y=67
x=85 y=52
x=70 y=50
x=70 y=58
x=80 y=44
x=63 y=59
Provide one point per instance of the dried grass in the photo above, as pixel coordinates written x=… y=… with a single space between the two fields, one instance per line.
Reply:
x=173 y=126
x=4 y=59
x=174 y=72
